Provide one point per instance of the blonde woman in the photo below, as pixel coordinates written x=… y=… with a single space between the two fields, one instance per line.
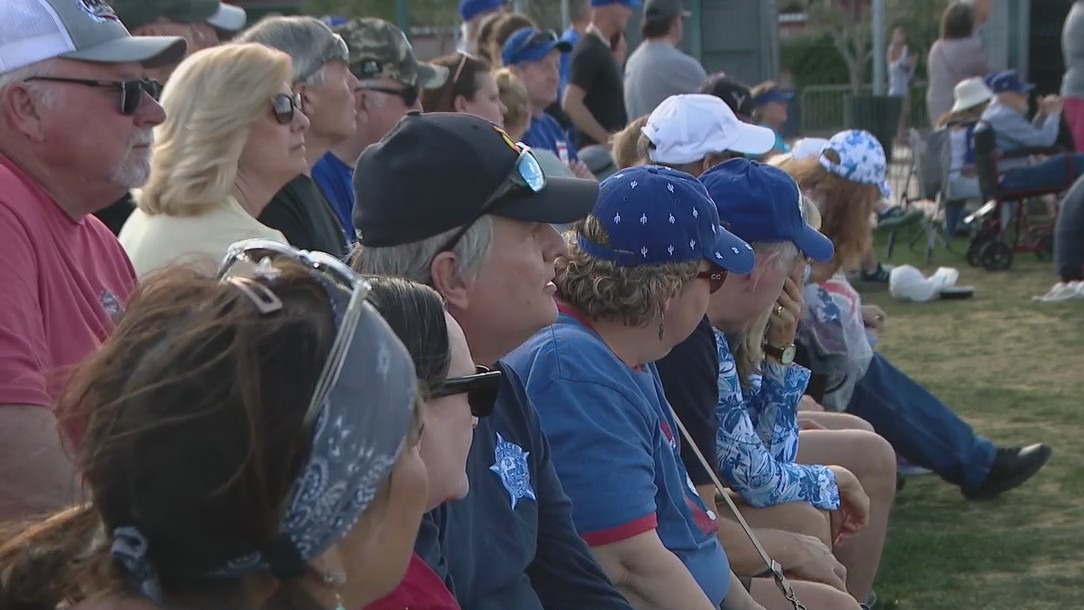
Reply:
x=234 y=136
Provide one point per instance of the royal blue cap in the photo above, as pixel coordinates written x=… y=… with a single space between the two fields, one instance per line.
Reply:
x=531 y=44
x=1007 y=81
x=628 y=3
x=655 y=215
x=762 y=203
x=469 y=9
x=781 y=96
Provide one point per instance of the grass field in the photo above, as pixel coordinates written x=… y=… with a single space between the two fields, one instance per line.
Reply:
x=1014 y=369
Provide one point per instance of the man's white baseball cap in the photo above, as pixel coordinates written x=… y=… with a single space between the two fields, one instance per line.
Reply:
x=228 y=17
x=88 y=30
x=689 y=127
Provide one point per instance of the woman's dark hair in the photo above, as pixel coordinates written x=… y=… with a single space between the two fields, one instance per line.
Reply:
x=416 y=313
x=485 y=36
x=192 y=431
x=958 y=21
x=508 y=24
x=463 y=73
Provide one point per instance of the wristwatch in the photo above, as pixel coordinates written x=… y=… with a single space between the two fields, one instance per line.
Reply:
x=785 y=354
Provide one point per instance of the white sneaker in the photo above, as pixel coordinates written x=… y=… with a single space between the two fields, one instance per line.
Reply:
x=1061 y=292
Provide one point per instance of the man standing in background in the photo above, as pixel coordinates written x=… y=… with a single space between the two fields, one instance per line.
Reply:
x=594 y=99
x=657 y=69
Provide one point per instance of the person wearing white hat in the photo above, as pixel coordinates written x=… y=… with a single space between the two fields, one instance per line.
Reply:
x=971 y=97
x=692 y=132
x=76 y=121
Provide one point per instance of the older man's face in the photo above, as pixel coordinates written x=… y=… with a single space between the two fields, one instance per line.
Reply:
x=87 y=136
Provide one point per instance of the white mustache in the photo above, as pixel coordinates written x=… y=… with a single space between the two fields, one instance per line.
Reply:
x=142 y=137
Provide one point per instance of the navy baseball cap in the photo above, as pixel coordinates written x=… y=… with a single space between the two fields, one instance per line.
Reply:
x=531 y=44
x=762 y=203
x=655 y=215
x=469 y=9
x=1007 y=81
x=628 y=3
x=437 y=171
x=774 y=95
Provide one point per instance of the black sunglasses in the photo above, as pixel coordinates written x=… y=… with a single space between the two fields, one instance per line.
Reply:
x=716 y=277
x=131 y=91
x=480 y=388
x=409 y=95
x=526 y=177
x=284 y=106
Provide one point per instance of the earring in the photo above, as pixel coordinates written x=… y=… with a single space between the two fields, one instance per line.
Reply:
x=339 y=602
x=336 y=579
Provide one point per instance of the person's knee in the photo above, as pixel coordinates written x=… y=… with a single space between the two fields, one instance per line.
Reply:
x=878 y=466
x=817 y=596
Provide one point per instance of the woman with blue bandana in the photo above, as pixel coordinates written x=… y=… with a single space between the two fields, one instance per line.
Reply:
x=838 y=333
x=249 y=441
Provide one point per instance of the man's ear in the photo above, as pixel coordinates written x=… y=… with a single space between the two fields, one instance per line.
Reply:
x=23 y=107
x=460 y=103
x=447 y=280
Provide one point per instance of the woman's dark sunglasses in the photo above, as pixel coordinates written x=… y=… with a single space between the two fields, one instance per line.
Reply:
x=131 y=91
x=409 y=95
x=480 y=388
x=716 y=277
x=284 y=106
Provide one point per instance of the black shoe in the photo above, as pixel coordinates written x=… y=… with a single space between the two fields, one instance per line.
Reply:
x=1012 y=467
x=880 y=275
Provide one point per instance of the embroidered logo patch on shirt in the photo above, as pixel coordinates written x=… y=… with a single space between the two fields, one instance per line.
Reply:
x=111 y=305
x=510 y=464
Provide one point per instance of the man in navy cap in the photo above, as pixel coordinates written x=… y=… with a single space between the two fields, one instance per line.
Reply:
x=533 y=55
x=1007 y=116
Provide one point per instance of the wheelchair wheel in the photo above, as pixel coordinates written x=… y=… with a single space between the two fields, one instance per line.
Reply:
x=996 y=256
x=974 y=252
x=1044 y=248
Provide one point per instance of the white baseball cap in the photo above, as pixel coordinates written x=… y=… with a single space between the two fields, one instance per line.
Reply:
x=686 y=128
x=807 y=148
x=228 y=17
x=88 y=30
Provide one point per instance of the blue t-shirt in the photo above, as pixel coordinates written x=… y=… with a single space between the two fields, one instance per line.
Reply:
x=616 y=448
x=336 y=182
x=547 y=134
x=511 y=543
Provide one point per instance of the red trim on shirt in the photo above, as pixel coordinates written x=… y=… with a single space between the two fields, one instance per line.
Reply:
x=421 y=589
x=621 y=532
x=582 y=318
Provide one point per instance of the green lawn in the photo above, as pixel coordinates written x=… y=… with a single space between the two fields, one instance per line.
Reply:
x=1014 y=368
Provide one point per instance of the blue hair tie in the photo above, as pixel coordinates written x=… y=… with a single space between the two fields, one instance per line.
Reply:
x=129 y=548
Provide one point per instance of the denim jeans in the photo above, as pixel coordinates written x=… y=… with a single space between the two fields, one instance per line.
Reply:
x=920 y=427
x=1052 y=172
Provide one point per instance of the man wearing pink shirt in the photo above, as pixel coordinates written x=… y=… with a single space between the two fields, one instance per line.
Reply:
x=75 y=131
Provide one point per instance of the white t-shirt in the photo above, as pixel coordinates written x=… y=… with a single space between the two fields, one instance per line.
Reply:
x=154 y=241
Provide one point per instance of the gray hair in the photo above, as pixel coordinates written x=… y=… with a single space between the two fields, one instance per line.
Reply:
x=304 y=39
x=747 y=347
x=41 y=68
x=414 y=261
x=788 y=252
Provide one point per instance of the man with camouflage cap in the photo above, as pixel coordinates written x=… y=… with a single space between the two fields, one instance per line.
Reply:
x=389 y=77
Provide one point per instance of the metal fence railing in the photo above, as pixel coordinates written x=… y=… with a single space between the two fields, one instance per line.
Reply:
x=822 y=107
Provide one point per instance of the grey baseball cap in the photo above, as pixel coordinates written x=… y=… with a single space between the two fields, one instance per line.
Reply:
x=88 y=30
x=664 y=10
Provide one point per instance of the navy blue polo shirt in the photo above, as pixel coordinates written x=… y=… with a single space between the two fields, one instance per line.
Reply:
x=510 y=544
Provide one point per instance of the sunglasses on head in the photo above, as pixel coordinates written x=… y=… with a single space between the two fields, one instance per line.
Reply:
x=480 y=388
x=284 y=106
x=537 y=39
x=409 y=95
x=131 y=91
x=716 y=277
x=525 y=177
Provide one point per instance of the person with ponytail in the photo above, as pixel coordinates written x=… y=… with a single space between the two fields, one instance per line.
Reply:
x=251 y=441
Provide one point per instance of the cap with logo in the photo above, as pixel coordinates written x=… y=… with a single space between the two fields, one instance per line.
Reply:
x=1007 y=81
x=969 y=93
x=688 y=127
x=762 y=203
x=469 y=9
x=378 y=49
x=664 y=10
x=655 y=215
x=88 y=30
x=137 y=13
x=861 y=159
x=437 y=171
x=532 y=44
x=735 y=93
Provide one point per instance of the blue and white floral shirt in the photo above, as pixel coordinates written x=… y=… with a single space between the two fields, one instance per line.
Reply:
x=757 y=441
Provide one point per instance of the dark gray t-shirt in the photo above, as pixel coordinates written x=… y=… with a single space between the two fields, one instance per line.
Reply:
x=654 y=72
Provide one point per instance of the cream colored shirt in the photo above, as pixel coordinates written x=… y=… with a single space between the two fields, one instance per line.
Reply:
x=154 y=241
